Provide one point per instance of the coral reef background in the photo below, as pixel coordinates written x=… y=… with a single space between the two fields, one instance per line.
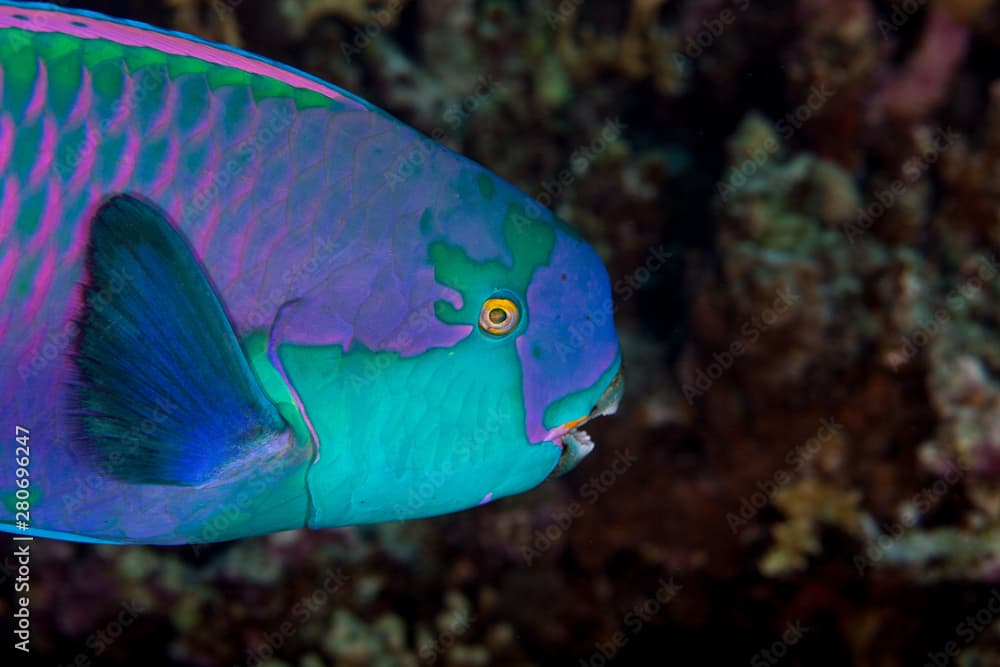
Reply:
x=799 y=205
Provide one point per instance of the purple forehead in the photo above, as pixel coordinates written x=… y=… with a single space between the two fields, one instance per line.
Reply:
x=570 y=341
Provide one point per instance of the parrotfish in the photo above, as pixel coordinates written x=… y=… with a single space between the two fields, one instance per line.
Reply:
x=236 y=300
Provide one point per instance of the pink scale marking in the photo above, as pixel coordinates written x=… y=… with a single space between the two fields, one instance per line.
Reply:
x=8 y=262
x=84 y=162
x=38 y=94
x=208 y=185
x=211 y=222
x=84 y=100
x=43 y=283
x=207 y=121
x=50 y=217
x=46 y=152
x=117 y=121
x=6 y=138
x=126 y=161
x=82 y=231
x=10 y=205
x=163 y=119
x=176 y=206
x=167 y=169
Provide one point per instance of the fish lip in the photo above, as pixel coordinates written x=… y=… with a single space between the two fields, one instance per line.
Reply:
x=609 y=401
x=576 y=443
x=607 y=404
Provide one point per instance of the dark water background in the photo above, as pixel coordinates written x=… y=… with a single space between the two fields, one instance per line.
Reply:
x=799 y=206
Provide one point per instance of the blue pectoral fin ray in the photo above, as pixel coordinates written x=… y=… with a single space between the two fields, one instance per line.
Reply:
x=163 y=393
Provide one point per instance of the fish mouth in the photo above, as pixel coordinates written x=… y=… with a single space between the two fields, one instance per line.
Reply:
x=574 y=441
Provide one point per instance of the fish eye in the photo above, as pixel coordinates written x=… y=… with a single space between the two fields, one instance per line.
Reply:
x=499 y=316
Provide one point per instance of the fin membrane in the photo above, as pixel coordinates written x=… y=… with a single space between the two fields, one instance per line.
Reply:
x=163 y=393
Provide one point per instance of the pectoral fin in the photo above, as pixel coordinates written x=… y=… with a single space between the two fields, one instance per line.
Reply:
x=163 y=393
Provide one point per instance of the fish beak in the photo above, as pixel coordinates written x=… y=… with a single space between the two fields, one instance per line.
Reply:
x=575 y=442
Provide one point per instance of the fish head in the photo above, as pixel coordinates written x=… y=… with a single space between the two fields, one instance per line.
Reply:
x=552 y=314
x=517 y=353
x=542 y=342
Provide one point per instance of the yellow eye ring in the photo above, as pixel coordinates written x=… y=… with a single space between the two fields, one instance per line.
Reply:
x=499 y=316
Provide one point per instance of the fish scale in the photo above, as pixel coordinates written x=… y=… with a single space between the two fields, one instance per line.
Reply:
x=267 y=173
x=314 y=218
x=53 y=97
